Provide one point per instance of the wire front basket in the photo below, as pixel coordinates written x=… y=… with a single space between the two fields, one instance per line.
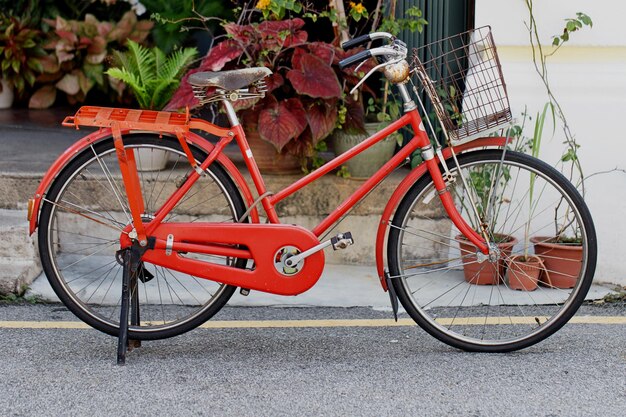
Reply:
x=463 y=79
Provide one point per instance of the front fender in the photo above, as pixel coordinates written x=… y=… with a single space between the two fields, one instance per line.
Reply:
x=103 y=134
x=404 y=187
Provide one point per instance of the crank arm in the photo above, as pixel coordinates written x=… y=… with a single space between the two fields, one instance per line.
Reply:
x=341 y=241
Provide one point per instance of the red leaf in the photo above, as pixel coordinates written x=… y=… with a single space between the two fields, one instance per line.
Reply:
x=241 y=33
x=215 y=60
x=326 y=52
x=220 y=55
x=274 y=81
x=184 y=95
x=296 y=58
x=68 y=36
x=281 y=25
x=273 y=34
x=43 y=98
x=322 y=117
x=303 y=146
x=315 y=78
x=355 y=116
x=294 y=105
x=278 y=125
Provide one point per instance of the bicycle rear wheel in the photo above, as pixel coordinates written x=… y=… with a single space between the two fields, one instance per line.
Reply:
x=440 y=279
x=81 y=220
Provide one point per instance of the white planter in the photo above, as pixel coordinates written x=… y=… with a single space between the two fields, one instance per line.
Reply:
x=6 y=96
x=149 y=159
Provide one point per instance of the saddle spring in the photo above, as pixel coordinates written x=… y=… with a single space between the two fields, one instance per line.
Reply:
x=257 y=90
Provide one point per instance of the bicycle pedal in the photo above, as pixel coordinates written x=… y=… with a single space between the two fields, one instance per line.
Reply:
x=342 y=240
x=244 y=291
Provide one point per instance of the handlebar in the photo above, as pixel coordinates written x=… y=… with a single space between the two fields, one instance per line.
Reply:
x=352 y=43
x=356 y=58
x=383 y=53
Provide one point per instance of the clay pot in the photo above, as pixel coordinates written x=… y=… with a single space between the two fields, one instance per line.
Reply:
x=365 y=164
x=151 y=159
x=562 y=262
x=524 y=274
x=485 y=273
x=6 y=94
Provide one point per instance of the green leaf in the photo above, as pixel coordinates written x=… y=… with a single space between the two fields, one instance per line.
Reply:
x=34 y=64
x=585 y=19
x=29 y=77
x=29 y=43
x=555 y=41
x=94 y=73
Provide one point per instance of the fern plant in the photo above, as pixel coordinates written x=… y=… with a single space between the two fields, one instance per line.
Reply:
x=152 y=76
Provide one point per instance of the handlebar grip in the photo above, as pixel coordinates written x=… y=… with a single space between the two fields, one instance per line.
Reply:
x=351 y=60
x=356 y=42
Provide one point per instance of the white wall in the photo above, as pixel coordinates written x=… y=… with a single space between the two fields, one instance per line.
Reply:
x=588 y=77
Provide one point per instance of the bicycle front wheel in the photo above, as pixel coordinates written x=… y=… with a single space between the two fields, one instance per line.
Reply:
x=495 y=305
x=84 y=214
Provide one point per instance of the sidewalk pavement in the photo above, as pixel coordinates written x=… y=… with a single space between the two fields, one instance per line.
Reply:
x=31 y=140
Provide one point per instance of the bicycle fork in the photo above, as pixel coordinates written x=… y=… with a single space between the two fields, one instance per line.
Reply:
x=442 y=186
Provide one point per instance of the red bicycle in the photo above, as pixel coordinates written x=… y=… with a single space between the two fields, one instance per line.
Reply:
x=152 y=252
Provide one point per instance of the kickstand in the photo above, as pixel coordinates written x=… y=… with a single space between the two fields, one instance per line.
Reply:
x=130 y=302
x=393 y=297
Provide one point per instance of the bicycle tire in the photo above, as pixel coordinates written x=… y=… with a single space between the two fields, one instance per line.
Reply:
x=430 y=282
x=84 y=195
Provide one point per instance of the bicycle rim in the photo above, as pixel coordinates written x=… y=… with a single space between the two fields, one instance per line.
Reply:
x=479 y=304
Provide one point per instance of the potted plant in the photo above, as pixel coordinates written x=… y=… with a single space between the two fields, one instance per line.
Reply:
x=378 y=115
x=78 y=50
x=485 y=272
x=479 y=179
x=562 y=253
x=152 y=77
x=525 y=270
x=20 y=57
x=300 y=106
x=380 y=110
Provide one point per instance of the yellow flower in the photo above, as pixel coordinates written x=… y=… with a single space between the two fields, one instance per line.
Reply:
x=352 y=5
x=359 y=8
x=263 y=4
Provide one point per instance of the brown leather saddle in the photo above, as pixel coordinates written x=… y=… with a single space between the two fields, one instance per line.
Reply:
x=229 y=80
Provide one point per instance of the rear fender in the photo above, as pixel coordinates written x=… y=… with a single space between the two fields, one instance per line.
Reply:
x=407 y=183
x=66 y=157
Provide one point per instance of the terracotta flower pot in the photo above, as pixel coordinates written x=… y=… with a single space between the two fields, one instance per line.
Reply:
x=562 y=262
x=484 y=273
x=524 y=274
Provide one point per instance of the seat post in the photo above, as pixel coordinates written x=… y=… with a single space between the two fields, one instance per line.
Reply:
x=230 y=112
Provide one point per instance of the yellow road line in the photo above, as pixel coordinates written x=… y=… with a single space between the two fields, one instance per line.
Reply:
x=252 y=324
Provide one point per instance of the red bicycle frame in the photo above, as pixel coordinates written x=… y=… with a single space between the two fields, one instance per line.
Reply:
x=121 y=121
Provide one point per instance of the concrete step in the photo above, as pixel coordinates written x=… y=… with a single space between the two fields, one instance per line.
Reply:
x=307 y=207
x=19 y=259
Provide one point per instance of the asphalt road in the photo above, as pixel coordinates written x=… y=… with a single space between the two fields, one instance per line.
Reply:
x=373 y=371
